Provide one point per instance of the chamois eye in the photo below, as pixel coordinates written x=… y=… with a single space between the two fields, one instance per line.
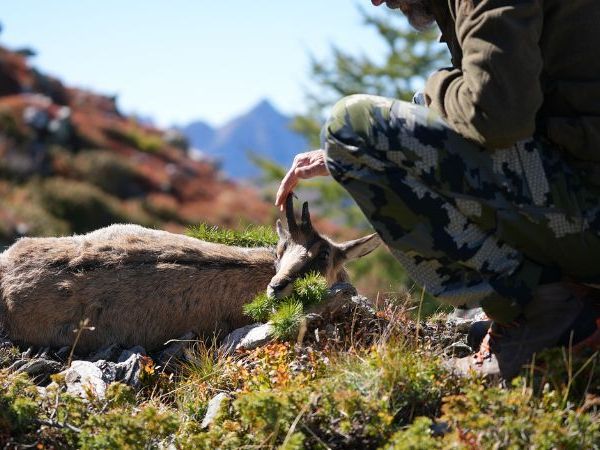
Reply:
x=323 y=254
x=281 y=250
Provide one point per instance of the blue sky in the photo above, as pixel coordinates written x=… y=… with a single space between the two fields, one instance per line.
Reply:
x=180 y=60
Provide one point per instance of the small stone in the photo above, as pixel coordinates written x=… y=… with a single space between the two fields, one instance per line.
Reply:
x=17 y=365
x=5 y=343
x=440 y=429
x=82 y=375
x=248 y=337
x=458 y=350
x=257 y=337
x=213 y=409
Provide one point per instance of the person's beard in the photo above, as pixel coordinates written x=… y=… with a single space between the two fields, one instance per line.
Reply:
x=416 y=11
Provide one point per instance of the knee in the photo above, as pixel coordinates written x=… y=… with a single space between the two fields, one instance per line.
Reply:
x=354 y=118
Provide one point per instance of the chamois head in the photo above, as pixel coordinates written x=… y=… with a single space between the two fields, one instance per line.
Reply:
x=301 y=250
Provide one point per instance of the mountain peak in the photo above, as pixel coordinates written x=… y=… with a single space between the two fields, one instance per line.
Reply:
x=262 y=130
x=264 y=107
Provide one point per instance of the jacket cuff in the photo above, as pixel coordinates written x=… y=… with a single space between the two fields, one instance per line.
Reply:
x=436 y=86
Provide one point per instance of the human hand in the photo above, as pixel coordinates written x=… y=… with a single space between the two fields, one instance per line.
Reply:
x=306 y=165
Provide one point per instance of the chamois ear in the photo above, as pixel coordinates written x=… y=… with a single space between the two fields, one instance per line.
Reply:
x=359 y=247
x=281 y=231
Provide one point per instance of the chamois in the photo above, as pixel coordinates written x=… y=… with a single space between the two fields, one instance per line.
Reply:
x=139 y=286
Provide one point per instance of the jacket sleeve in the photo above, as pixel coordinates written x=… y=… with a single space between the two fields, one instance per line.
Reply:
x=494 y=96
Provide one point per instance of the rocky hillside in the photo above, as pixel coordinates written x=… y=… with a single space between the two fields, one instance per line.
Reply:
x=70 y=161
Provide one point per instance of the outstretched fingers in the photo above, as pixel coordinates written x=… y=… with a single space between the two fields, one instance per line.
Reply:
x=306 y=165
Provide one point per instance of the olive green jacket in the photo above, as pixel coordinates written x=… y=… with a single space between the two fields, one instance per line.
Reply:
x=521 y=67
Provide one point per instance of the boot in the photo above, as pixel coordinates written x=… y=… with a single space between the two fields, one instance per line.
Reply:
x=506 y=348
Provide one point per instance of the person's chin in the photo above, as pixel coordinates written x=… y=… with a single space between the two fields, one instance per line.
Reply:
x=392 y=4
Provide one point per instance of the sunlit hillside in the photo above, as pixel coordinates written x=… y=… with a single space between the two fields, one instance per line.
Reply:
x=71 y=162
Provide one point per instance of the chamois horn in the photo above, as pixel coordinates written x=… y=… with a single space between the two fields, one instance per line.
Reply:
x=289 y=214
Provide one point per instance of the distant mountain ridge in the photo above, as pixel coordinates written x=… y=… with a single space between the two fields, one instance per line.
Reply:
x=262 y=130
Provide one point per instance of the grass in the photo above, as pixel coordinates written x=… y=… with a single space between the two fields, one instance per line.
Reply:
x=251 y=236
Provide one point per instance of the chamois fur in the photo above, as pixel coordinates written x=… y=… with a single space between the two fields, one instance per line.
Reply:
x=136 y=286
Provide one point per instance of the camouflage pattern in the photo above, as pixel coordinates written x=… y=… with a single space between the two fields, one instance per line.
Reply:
x=471 y=225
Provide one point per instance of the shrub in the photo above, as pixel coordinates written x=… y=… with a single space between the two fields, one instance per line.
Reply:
x=260 y=308
x=125 y=429
x=83 y=206
x=516 y=418
x=19 y=405
x=360 y=401
x=112 y=173
x=287 y=318
x=137 y=138
x=310 y=289
x=287 y=314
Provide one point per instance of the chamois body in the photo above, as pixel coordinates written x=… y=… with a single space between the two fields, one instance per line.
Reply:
x=135 y=285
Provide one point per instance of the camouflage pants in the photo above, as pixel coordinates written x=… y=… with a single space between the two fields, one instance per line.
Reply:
x=471 y=225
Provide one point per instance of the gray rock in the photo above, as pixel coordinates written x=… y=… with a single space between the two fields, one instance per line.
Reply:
x=40 y=367
x=63 y=353
x=213 y=409
x=83 y=377
x=126 y=354
x=339 y=297
x=248 y=337
x=463 y=318
x=108 y=369
x=458 y=350
x=128 y=371
x=17 y=364
x=175 y=350
x=108 y=353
